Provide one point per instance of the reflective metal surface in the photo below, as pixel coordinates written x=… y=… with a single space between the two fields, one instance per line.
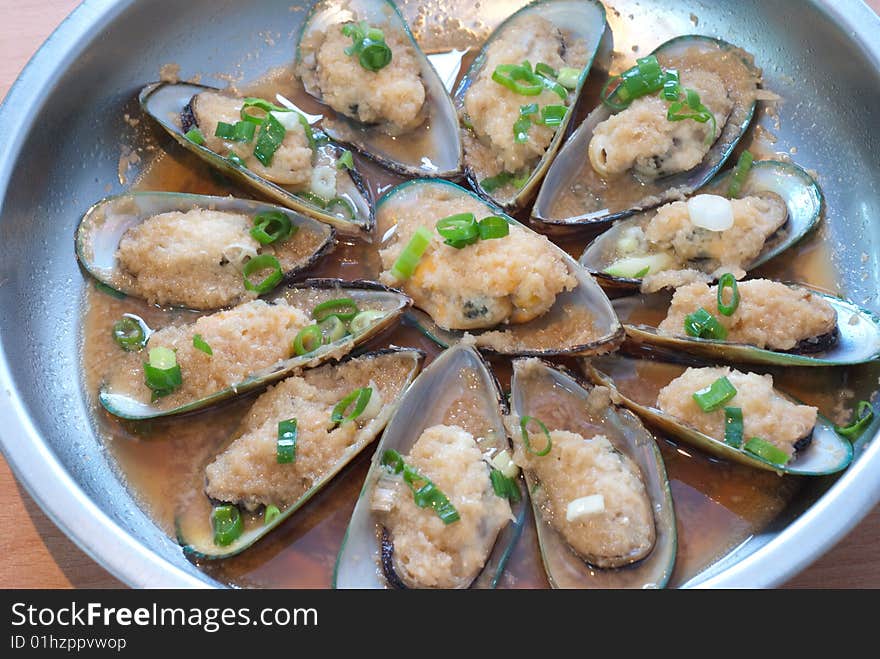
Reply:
x=63 y=125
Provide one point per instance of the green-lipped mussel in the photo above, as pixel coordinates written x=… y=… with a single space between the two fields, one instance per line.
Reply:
x=247 y=474
x=518 y=294
x=623 y=257
x=399 y=114
x=322 y=189
x=599 y=451
x=807 y=450
x=513 y=123
x=186 y=250
x=574 y=193
x=838 y=333
x=282 y=337
x=449 y=430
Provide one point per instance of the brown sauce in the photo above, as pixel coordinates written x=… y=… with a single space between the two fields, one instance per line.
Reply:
x=718 y=505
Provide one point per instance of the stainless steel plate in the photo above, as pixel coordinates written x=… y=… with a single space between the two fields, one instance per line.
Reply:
x=63 y=124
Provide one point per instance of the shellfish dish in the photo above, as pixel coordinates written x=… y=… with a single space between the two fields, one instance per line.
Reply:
x=505 y=307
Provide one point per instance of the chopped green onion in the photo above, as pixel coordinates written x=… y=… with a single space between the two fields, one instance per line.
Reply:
x=524 y=422
x=459 y=230
x=240 y=131
x=348 y=208
x=162 y=372
x=285 y=446
x=195 y=136
x=518 y=79
x=272 y=226
x=271 y=136
x=545 y=70
x=313 y=199
x=344 y=307
x=733 y=426
x=374 y=55
x=360 y=398
x=671 y=85
x=568 y=77
x=552 y=115
x=715 y=395
x=503 y=486
x=641 y=273
x=200 y=344
x=258 y=264
x=130 y=332
x=345 y=161
x=227 y=524
x=699 y=112
x=492 y=227
x=526 y=110
x=250 y=104
x=492 y=183
x=728 y=281
x=368 y=43
x=425 y=495
x=704 y=325
x=271 y=514
x=646 y=77
x=738 y=178
x=864 y=415
x=307 y=340
x=521 y=130
x=364 y=320
x=519 y=180
x=409 y=258
x=332 y=329
x=766 y=450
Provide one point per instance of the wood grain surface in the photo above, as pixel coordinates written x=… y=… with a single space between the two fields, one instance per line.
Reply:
x=36 y=554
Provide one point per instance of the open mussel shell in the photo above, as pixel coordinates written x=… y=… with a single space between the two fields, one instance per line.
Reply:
x=193 y=520
x=105 y=223
x=431 y=149
x=167 y=102
x=567 y=199
x=559 y=399
x=827 y=452
x=305 y=296
x=549 y=334
x=800 y=192
x=456 y=389
x=856 y=341
x=584 y=20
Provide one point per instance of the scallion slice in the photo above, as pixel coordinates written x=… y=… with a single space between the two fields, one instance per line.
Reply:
x=368 y=43
x=250 y=104
x=698 y=112
x=425 y=493
x=528 y=109
x=715 y=395
x=271 y=136
x=740 y=174
x=360 y=398
x=272 y=226
x=703 y=325
x=764 y=449
x=459 y=230
x=671 y=85
x=130 y=333
x=503 y=486
x=523 y=426
x=728 y=281
x=553 y=115
x=521 y=130
x=492 y=183
x=733 y=426
x=332 y=329
x=307 y=340
x=195 y=136
x=313 y=199
x=568 y=77
x=258 y=264
x=864 y=416
x=519 y=79
x=546 y=70
x=492 y=227
x=240 y=131
x=162 y=371
x=347 y=208
x=343 y=307
x=200 y=344
x=345 y=161
x=227 y=524
x=271 y=514
x=364 y=320
x=405 y=264
x=285 y=446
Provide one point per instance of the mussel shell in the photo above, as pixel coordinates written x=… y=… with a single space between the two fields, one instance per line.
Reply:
x=803 y=200
x=167 y=103
x=855 y=341
x=306 y=294
x=826 y=453
x=432 y=399
x=431 y=149
x=558 y=398
x=587 y=19
x=193 y=521
x=104 y=224
x=587 y=294
x=572 y=158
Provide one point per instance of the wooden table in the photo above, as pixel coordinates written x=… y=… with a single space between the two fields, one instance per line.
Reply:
x=36 y=554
